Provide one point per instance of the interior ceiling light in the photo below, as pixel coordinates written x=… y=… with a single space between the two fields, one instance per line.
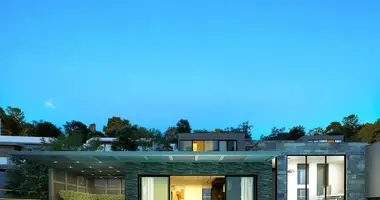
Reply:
x=70 y=167
x=77 y=161
x=90 y=166
x=109 y=174
x=82 y=171
x=110 y=167
x=117 y=171
x=100 y=162
x=92 y=174
x=55 y=161
x=100 y=170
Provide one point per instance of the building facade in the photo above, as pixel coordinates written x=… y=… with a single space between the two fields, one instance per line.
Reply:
x=213 y=166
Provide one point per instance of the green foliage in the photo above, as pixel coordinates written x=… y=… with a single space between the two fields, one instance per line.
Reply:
x=126 y=138
x=114 y=122
x=72 y=142
x=370 y=133
x=200 y=131
x=183 y=126
x=43 y=129
x=71 y=195
x=27 y=179
x=77 y=128
x=12 y=122
x=171 y=134
x=244 y=127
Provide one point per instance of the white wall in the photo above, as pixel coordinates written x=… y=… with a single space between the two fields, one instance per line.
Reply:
x=193 y=192
x=336 y=178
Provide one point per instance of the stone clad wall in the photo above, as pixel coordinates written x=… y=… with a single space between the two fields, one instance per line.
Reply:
x=355 y=163
x=262 y=170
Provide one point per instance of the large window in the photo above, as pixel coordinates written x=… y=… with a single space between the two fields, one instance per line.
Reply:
x=208 y=145
x=154 y=188
x=186 y=145
x=240 y=188
x=316 y=177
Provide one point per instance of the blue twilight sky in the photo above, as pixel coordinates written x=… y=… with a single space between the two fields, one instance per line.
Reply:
x=215 y=63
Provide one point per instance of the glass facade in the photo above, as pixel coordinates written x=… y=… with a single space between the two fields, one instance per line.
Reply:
x=154 y=188
x=240 y=188
x=316 y=177
x=208 y=145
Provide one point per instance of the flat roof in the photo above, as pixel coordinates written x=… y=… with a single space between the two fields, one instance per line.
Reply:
x=102 y=163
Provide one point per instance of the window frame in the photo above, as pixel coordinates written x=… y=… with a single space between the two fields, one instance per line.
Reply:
x=204 y=142
x=326 y=171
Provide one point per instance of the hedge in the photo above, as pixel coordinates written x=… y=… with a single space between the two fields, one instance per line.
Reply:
x=72 y=195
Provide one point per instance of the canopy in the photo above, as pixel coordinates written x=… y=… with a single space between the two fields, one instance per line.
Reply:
x=112 y=162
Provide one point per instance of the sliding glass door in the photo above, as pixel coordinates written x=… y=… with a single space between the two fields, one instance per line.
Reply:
x=154 y=188
x=241 y=187
x=316 y=177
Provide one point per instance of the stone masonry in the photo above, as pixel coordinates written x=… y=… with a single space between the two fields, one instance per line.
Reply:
x=355 y=163
x=262 y=170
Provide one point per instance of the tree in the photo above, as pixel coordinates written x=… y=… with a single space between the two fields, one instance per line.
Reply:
x=43 y=129
x=218 y=130
x=77 y=127
x=12 y=121
x=276 y=134
x=127 y=137
x=171 y=135
x=30 y=179
x=334 y=128
x=112 y=123
x=316 y=131
x=370 y=132
x=183 y=126
x=296 y=132
x=351 y=127
x=244 y=127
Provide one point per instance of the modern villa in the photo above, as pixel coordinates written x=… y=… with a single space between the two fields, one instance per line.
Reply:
x=216 y=166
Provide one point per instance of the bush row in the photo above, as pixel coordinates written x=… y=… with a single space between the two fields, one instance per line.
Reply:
x=72 y=195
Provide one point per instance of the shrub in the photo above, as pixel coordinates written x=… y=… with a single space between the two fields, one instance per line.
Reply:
x=72 y=195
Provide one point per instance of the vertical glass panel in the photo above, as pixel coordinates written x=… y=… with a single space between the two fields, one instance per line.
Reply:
x=198 y=145
x=186 y=146
x=240 y=188
x=296 y=177
x=222 y=145
x=316 y=177
x=335 y=177
x=211 y=145
x=154 y=188
x=231 y=146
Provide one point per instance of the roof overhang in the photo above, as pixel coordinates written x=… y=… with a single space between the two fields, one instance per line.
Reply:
x=112 y=162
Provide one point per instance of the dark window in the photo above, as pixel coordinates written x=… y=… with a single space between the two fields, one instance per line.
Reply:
x=231 y=146
x=301 y=174
x=186 y=146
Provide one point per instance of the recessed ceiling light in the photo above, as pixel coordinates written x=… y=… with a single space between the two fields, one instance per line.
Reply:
x=82 y=171
x=100 y=170
x=100 y=162
x=110 y=167
x=55 y=161
x=109 y=174
x=70 y=167
x=118 y=171
x=90 y=166
x=92 y=174
x=77 y=161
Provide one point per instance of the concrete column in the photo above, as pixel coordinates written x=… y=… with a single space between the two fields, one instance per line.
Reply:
x=65 y=180
x=51 y=184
